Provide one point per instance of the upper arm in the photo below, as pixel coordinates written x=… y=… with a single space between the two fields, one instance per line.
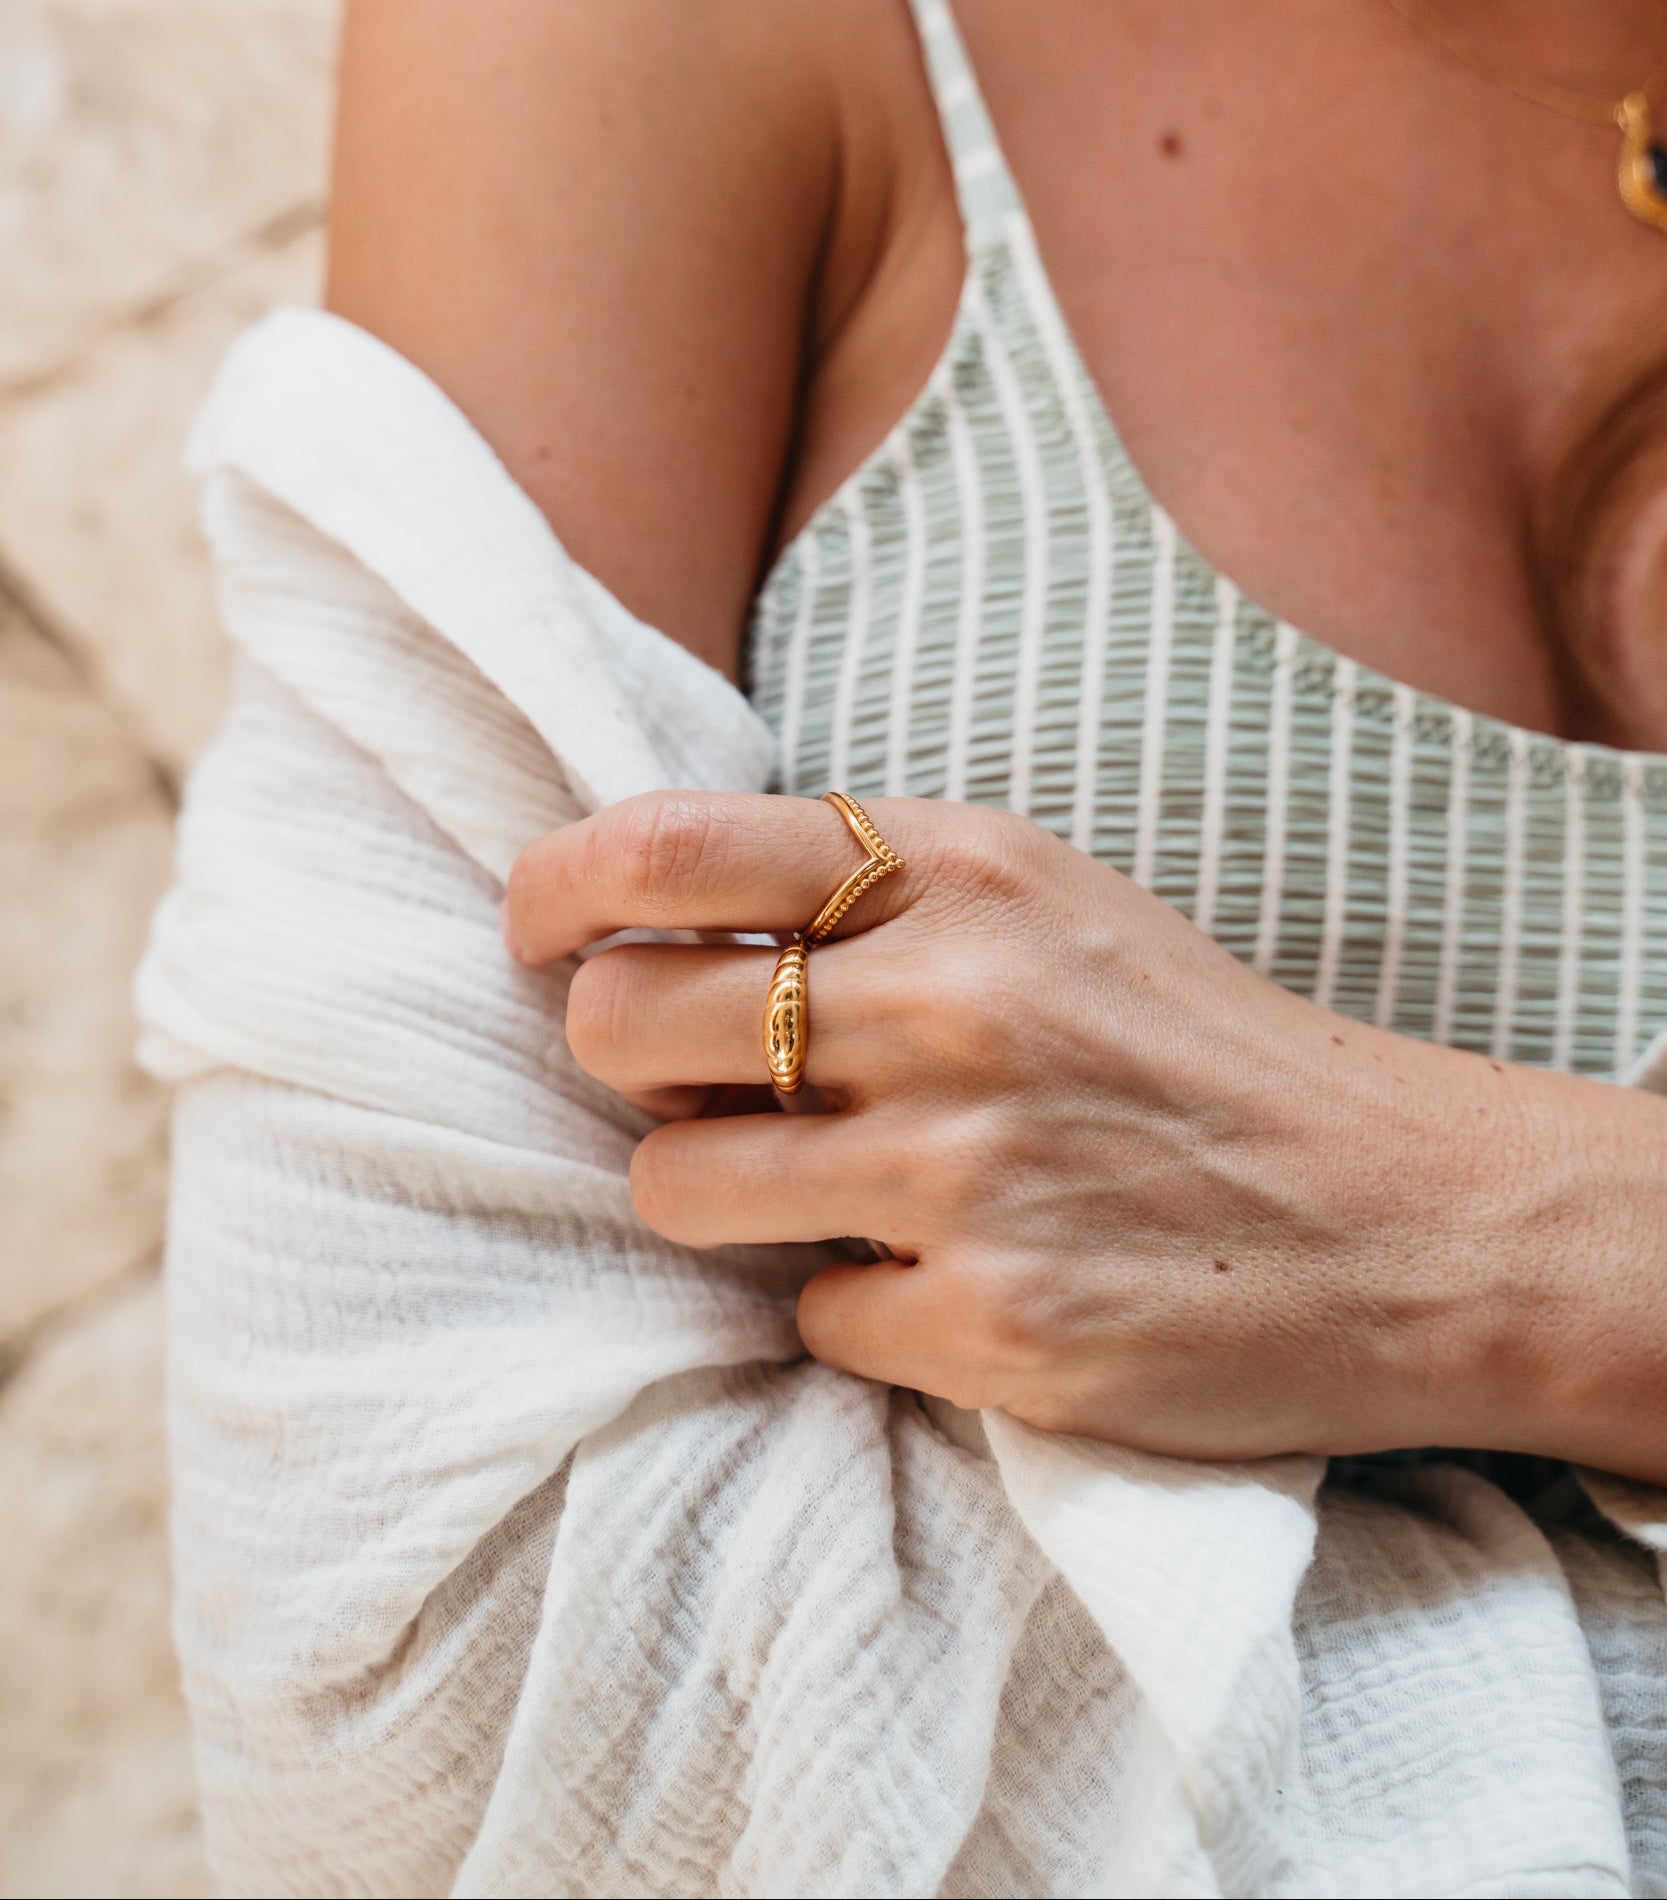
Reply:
x=595 y=224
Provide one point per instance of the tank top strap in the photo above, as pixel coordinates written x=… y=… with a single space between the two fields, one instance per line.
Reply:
x=984 y=186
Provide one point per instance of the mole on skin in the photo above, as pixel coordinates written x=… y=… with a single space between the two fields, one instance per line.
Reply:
x=1170 y=145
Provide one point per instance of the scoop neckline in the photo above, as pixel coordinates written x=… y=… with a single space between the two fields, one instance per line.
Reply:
x=1485 y=736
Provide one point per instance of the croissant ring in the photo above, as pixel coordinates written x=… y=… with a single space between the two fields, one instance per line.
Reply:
x=787 y=1007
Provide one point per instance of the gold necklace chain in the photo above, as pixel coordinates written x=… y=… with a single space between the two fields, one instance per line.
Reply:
x=1540 y=92
x=1642 y=176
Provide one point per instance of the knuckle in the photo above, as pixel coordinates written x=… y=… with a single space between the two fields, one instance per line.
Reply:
x=599 y=1011
x=1007 y=1334
x=969 y=1375
x=999 y=855
x=654 y=1176
x=946 y=1166
x=961 y=1014
x=666 y=846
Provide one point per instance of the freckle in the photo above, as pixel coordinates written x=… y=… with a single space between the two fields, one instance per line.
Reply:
x=1170 y=145
x=1224 y=1266
x=1338 y=1040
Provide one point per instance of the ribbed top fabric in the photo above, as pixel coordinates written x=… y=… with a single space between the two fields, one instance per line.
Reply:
x=994 y=608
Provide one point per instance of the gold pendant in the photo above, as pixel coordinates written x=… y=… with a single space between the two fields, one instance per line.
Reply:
x=1643 y=178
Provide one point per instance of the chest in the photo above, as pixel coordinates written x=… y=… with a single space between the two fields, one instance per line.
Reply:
x=991 y=609
x=1347 y=309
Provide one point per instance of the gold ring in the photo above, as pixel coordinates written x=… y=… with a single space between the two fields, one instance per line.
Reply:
x=787 y=1007
x=786 y=1020
x=881 y=862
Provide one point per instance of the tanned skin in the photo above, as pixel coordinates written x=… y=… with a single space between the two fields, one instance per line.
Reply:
x=1349 y=306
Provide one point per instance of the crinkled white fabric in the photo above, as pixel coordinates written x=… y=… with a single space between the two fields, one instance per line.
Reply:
x=521 y=1552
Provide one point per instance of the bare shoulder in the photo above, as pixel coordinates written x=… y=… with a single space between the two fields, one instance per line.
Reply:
x=599 y=226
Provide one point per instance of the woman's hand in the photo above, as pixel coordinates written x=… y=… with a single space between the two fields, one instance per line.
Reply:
x=1134 y=1190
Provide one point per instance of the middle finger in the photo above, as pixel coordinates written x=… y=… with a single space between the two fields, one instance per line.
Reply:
x=653 y=1016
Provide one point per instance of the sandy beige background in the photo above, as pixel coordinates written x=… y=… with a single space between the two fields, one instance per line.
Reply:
x=161 y=176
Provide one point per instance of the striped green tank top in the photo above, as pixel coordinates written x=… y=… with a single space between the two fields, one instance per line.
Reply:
x=993 y=608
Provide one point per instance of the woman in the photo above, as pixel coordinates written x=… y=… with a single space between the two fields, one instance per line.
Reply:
x=1219 y=1044
x=1352 y=308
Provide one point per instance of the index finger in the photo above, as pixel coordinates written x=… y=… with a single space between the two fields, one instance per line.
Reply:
x=733 y=861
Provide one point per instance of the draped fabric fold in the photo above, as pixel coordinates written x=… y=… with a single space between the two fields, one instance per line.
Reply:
x=519 y=1551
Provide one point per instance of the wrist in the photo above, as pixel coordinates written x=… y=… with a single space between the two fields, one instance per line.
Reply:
x=1559 y=1346
x=1594 y=1239
x=1470 y=1317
